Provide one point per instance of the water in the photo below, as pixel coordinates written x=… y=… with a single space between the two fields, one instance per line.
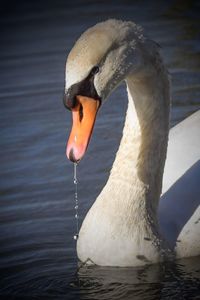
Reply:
x=37 y=224
x=76 y=201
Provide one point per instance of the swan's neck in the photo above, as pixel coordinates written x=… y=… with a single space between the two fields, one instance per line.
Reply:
x=139 y=163
x=121 y=229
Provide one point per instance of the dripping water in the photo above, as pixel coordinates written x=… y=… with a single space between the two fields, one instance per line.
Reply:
x=76 y=201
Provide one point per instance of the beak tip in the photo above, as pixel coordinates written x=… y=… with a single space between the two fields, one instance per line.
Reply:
x=71 y=156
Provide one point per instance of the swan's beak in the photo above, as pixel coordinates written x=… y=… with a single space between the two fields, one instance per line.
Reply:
x=83 y=118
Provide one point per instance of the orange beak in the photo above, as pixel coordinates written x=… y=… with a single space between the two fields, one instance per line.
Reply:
x=83 y=118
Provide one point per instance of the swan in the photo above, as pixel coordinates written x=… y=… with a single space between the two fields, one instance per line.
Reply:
x=122 y=228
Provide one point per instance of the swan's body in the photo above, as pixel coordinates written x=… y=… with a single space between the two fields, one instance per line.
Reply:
x=121 y=228
x=183 y=150
x=181 y=188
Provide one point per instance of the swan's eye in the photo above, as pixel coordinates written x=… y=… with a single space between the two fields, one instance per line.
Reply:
x=94 y=70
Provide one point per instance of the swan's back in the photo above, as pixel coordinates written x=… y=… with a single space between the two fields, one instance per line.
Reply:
x=183 y=150
x=179 y=210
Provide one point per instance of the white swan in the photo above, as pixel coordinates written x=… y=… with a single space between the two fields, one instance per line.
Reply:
x=121 y=228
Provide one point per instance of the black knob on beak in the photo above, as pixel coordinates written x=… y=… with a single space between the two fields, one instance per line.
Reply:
x=69 y=100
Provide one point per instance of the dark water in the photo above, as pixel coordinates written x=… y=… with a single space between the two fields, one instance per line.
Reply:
x=37 y=251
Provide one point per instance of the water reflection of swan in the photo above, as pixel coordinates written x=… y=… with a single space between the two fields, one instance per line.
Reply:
x=158 y=281
x=121 y=228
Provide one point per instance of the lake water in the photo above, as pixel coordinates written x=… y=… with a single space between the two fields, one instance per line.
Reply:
x=37 y=224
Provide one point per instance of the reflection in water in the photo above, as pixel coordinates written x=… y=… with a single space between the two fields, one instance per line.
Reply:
x=161 y=281
x=120 y=283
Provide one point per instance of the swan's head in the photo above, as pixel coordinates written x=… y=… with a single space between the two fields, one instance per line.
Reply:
x=102 y=57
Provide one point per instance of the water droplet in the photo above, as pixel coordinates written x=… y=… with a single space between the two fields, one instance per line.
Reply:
x=76 y=201
x=76 y=237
